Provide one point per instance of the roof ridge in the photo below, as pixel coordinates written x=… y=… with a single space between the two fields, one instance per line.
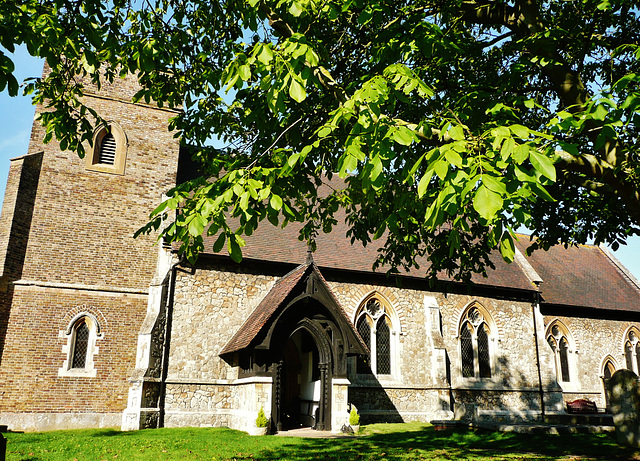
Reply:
x=620 y=267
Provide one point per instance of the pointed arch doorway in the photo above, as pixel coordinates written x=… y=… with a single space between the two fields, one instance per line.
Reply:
x=302 y=385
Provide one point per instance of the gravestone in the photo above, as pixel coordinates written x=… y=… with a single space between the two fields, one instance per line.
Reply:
x=624 y=399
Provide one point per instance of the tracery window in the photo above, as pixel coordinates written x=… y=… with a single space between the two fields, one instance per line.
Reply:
x=376 y=329
x=560 y=343
x=476 y=343
x=632 y=350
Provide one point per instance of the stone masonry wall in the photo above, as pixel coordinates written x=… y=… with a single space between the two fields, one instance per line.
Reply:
x=594 y=341
x=213 y=303
x=209 y=307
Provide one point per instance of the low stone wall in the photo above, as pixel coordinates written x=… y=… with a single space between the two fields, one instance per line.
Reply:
x=233 y=404
x=30 y=422
x=377 y=404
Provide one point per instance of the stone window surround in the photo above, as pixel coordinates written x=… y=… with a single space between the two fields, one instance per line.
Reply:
x=395 y=328
x=632 y=337
x=95 y=333
x=605 y=361
x=562 y=331
x=93 y=153
x=492 y=332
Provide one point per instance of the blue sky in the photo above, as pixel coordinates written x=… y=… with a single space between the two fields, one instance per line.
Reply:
x=16 y=118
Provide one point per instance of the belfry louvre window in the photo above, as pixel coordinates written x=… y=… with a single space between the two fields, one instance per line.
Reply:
x=376 y=329
x=80 y=345
x=107 y=150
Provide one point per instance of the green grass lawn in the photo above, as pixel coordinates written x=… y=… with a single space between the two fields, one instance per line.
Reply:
x=411 y=441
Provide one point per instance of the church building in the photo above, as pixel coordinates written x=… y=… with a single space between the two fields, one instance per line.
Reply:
x=98 y=329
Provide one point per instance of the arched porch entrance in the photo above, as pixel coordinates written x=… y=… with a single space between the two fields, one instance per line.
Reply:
x=303 y=384
x=300 y=337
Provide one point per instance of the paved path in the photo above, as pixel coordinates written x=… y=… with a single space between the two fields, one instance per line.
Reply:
x=312 y=433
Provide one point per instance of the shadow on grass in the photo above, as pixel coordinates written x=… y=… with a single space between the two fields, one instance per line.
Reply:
x=402 y=442
x=453 y=444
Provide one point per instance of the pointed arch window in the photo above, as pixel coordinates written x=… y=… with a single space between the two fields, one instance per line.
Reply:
x=80 y=349
x=80 y=344
x=476 y=343
x=561 y=344
x=608 y=370
x=632 y=350
x=376 y=328
x=109 y=151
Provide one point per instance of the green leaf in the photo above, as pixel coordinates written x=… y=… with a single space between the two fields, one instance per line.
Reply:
x=424 y=183
x=457 y=133
x=266 y=55
x=441 y=168
x=233 y=247
x=403 y=135
x=520 y=131
x=196 y=225
x=219 y=243
x=275 y=202
x=494 y=183
x=487 y=203
x=542 y=164
x=507 y=247
x=297 y=91
x=245 y=72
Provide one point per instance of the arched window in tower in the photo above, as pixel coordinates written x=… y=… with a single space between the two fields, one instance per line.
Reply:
x=376 y=328
x=561 y=344
x=80 y=344
x=81 y=333
x=632 y=350
x=476 y=339
x=107 y=148
x=109 y=151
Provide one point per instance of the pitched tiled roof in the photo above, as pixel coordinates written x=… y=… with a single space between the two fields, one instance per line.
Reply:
x=335 y=251
x=263 y=312
x=583 y=276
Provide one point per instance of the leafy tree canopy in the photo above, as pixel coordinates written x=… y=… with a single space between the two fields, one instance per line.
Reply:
x=452 y=123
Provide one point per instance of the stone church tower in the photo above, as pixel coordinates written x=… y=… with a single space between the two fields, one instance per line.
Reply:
x=74 y=283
